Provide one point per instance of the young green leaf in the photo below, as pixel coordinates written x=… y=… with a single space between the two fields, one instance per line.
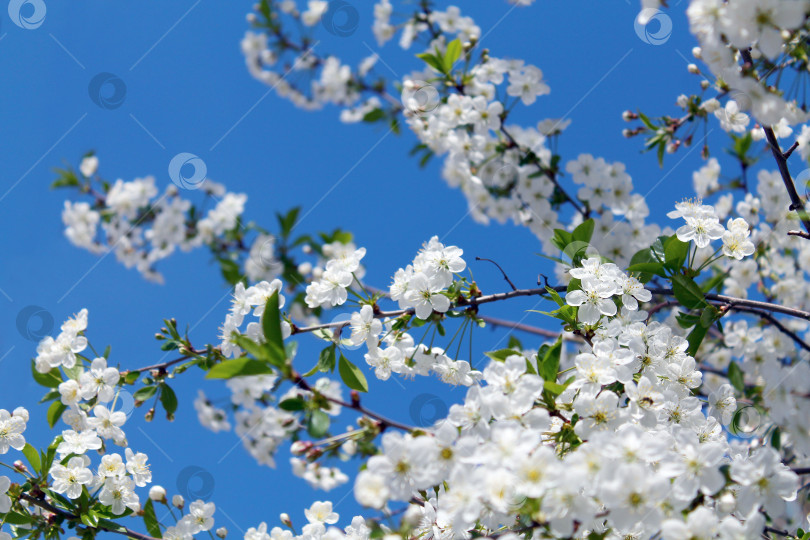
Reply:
x=169 y=399
x=150 y=519
x=352 y=375
x=238 y=367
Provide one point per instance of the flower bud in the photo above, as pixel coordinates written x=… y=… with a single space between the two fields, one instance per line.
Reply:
x=697 y=52
x=299 y=447
x=627 y=133
x=157 y=494
x=704 y=84
x=150 y=415
x=629 y=115
x=693 y=69
x=222 y=532
x=178 y=501
x=20 y=467
x=285 y=519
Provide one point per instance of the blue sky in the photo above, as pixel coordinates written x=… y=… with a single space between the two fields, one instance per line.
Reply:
x=187 y=90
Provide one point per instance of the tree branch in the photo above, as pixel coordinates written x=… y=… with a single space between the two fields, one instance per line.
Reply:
x=796 y=202
x=67 y=515
x=302 y=383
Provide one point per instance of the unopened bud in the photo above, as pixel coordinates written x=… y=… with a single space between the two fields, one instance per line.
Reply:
x=299 y=447
x=150 y=415
x=627 y=133
x=178 y=501
x=704 y=84
x=222 y=532
x=629 y=115
x=693 y=69
x=159 y=336
x=157 y=494
x=19 y=466
x=697 y=52
x=285 y=519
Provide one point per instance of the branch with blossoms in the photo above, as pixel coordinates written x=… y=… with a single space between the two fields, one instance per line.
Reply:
x=685 y=420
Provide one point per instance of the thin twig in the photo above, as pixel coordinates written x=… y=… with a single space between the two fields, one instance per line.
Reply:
x=509 y=281
x=796 y=202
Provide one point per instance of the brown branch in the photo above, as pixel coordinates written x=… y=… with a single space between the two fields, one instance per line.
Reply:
x=796 y=202
x=302 y=383
x=525 y=328
x=509 y=281
x=67 y=515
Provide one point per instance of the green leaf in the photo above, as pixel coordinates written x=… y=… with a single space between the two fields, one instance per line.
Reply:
x=287 y=222
x=432 y=60
x=32 y=456
x=687 y=292
x=293 y=404
x=150 y=519
x=675 y=253
x=501 y=354
x=656 y=268
x=51 y=379
x=708 y=316
x=695 y=338
x=584 y=231
x=271 y=322
x=374 y=115
x=144 y=393
x=556 y=297
x=735 y=377
x=231 y=271
x=561 y=238
x=15 y=518
x=238 y=367
x=553 y=388
x=549 y=364
x=55 y=412
x=326 y=361
x=169 y=399
x=318 y=424
x=452 y=54
x=352 y=375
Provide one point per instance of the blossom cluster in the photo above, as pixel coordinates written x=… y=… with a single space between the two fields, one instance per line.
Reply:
x=142 y=226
